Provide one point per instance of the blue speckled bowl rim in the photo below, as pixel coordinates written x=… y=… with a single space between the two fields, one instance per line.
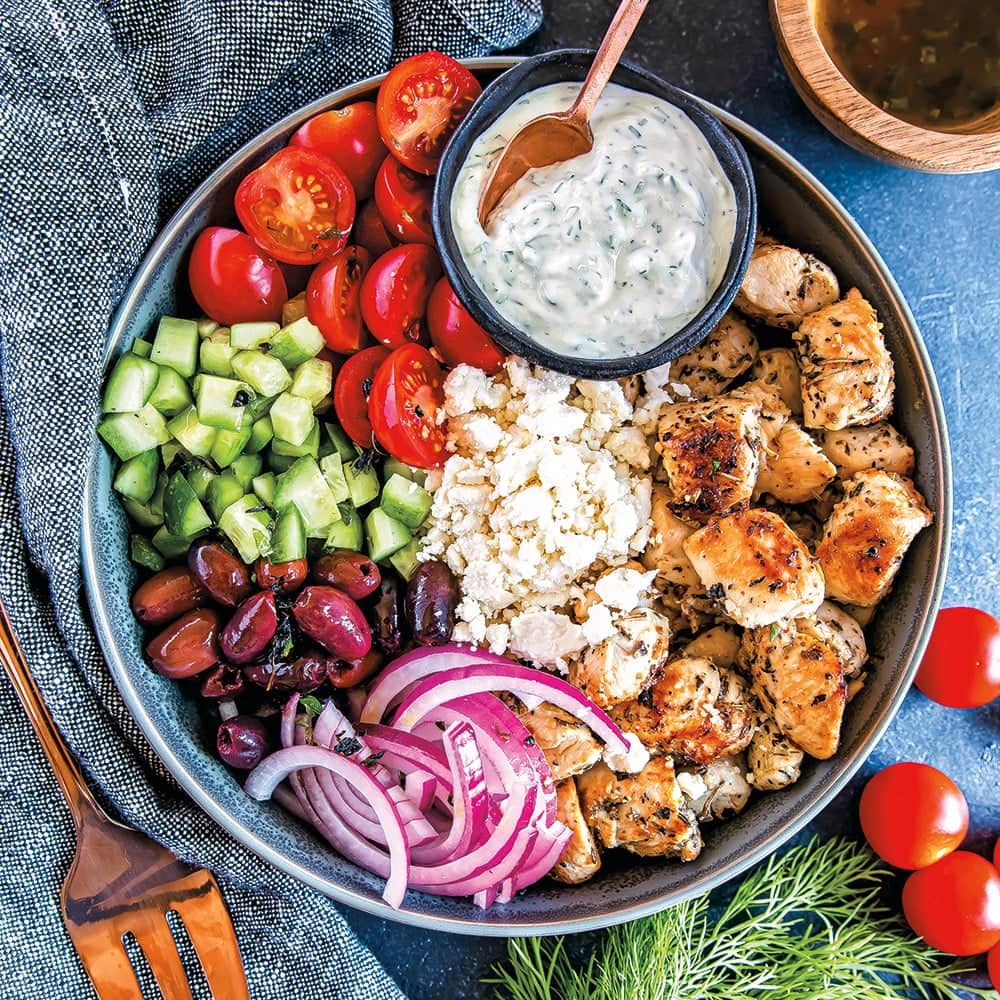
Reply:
x=614 y=913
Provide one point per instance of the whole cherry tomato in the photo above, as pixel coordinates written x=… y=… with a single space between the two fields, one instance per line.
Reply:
x=350 y=137
x=351 y=391
x=459 y=339
x=233 y=280
x=993 y=966
x=403 y=405
x=404 y=201
x=420 y=103
x=332 y=299
x=370 y=231
x=912 y=815
x=298 y=205
x=961 y=668
x=954 y=905
x=395 y=291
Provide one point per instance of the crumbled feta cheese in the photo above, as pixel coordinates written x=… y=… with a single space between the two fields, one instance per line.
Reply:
x=692 y=786
x=547 y=638
x=631 y=762
x=624 y=588
x=598 y=624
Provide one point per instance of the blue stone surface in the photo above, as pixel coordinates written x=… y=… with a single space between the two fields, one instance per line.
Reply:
x=941 y=238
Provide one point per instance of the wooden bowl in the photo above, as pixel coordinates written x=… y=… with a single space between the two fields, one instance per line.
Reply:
x=850 y=116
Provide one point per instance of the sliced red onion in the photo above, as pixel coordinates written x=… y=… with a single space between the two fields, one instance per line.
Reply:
x=332 y=725
x=286 y=797
x=404 y=751
x=288 y=720
x=420 y=787
x=547 y=851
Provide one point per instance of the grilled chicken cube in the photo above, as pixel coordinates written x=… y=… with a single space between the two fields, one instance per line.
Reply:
x=798 y=471
x=775 y=761
x=646 y=813
x=695 y=710
x=620 y=667
x=663 y=551
x=773 y=412
x=880 y=446
x=782 y=285
x=720 y=644
x=799 y=680
x=847 y=371
x=580 y=860
x=710 y=453
x=725 y=354
x=847 y=636
x=867 y=535
x=758 y=569
x=779 y=368
x=717 y=790
x=569 y=745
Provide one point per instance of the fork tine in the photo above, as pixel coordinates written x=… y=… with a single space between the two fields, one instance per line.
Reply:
x=153 y=933
x=110 y=971
x=211 y=932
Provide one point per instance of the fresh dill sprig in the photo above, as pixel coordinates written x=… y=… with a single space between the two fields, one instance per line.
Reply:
x=807 y=925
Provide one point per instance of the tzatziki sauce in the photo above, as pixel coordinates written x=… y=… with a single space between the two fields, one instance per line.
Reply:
x=610 y=253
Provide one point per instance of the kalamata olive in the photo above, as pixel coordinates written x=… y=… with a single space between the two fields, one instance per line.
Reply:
x=225 y=681
x=389 y=629
x=221 y=573
x=304 y=674
x=188 y=646
x=431 y=599
x=167 y=595
x=287 y=576
x=333 y=620
x=251 y=628
x=352 y=572
x=348 y=673
x=243 y=741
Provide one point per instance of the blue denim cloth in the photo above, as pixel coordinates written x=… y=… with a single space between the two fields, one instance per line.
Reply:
x=110 y=112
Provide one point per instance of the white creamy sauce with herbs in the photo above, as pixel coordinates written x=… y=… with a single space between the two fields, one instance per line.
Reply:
x=608 y=254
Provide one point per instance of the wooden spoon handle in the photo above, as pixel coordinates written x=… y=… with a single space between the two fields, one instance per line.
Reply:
x=615 y=39
x=78 y=796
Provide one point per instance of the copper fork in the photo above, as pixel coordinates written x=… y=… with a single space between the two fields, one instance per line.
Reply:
x=122 y=883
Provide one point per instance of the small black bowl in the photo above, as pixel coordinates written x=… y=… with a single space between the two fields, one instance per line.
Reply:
x=559 y=67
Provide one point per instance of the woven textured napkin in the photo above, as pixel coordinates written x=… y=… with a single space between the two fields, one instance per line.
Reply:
x=110 y=112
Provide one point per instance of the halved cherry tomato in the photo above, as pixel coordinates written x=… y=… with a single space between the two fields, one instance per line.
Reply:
x=955 y=904
x=913 y=814
x=350 y=137
x=403 y=407
x=459 y=339
x=233 y=280
x=961 y=668
x=351 y=391
x=332 y=299
x=420 y=103
x=395 y=291
x=370 y=231
x=404 y=202
x=299 y=206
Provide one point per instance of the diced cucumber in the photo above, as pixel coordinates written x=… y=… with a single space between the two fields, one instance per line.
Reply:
x=223 y=491
x=308 y=447
x=333 y=469
x=229 y=445
x=305 y=487
x=249 y=336
x=293 y=309
x=206 y=327
x=392 y=466
x=150 y=514
x=404 y=500
x=261 y=372
x=222 y=402
x=200 y=477
x=346 y=448
x=347 y=533
x=405 y=561
x=385 y=535
x=313 y=380
x=183 y=513
x=176 y=345
x=170 y=451
x=245 y=468
x=362 y=482
x=264 y=486
x=171 y=394
x=193 y=435
x=142 y=348
x=170 y=545
x=292 y=418
x=288 y=540
x=297 y=342
x=260 y=407
x=130 y=384
x=216 y=355
x=143 y=554
x=247 y=527
x=130 y=434
x=279 y=463
x=136 y=479
x=260 y=436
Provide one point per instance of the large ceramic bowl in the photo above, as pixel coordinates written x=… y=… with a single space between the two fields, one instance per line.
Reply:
x=797 y=207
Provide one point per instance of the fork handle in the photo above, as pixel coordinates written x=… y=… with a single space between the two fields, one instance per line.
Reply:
x=78 y=796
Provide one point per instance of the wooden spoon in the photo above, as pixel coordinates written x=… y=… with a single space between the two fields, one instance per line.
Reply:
x=561 y=136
